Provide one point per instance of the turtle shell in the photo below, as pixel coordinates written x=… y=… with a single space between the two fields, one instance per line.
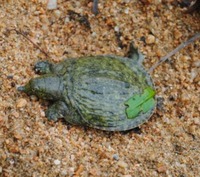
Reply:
x=98 y=87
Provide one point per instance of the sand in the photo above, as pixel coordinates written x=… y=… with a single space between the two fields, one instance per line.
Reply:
x=167 y=145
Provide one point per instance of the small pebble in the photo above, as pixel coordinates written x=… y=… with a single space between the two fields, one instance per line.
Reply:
x=177 y=34
x=194 y=73
x=10 y=76
x=67 y=20
x=122 y=164
x=11 y=161
x=33 y=98
x=150 y=39
x=116 y=28
x=71 y=171
x=94 y=34
x=17 y=136
x=114 y=4
x=126 y=11
x=57 y=13
x=116 y=157
x=58 y=142
x=197 y=121
x=52 y=4
x=21 y=103
x=161 y=168
x=42 y=113
x=57 y=162
x=197 y=63
x=127 y=1
x=64 y=173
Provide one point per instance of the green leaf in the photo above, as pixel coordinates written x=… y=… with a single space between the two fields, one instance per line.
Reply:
x=140 y=103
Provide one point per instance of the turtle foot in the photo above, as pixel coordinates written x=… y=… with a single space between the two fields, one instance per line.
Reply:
x=43 y=67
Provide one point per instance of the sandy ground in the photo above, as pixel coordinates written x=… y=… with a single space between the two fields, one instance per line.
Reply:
x=167 y=145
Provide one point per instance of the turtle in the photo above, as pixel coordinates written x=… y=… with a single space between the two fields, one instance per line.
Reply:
x=96 y=91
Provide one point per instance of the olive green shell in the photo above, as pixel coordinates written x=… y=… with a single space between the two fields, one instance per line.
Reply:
x=97 y=87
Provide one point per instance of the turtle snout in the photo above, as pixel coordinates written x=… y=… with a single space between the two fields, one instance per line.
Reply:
x=26 y=88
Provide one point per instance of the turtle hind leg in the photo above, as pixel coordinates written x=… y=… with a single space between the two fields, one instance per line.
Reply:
x=57 y=110
x=43 y=67
x=134 y=54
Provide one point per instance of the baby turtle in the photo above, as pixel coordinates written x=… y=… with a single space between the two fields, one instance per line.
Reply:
x=106 y=92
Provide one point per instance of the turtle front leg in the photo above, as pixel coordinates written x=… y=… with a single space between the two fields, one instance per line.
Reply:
x=43 y=67
x=57 y=110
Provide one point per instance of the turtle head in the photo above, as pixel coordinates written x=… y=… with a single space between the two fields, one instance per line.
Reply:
x=46 y=87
